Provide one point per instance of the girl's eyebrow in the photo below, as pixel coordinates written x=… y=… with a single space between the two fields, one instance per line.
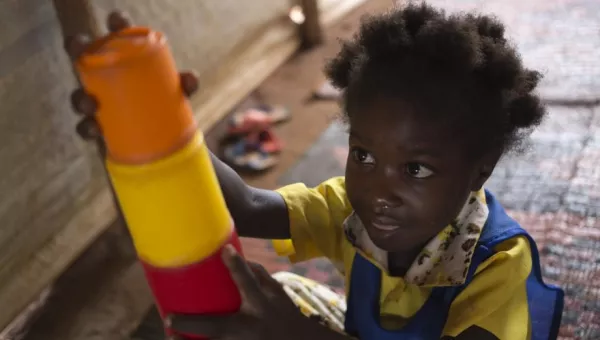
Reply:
x=353 y=134
x=414 y=149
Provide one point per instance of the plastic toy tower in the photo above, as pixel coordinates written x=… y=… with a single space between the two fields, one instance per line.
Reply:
x=161 y=171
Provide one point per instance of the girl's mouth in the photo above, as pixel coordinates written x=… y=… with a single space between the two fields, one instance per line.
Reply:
x=386 y=224
x=385 y=227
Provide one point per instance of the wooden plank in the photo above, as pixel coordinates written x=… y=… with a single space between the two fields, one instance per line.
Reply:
x=50 y=182
x=107 y=270
x=243 y=71
x=311 y=30
x=201 y=33
x=334 y=10
x=279 y=41
x=39 y=248
x=30 y=279
x=77 y=17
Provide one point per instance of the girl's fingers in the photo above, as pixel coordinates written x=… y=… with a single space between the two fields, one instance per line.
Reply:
x=242 y=275
x=76 y=45
x=83 y=103
x=88 y=128
x=118 y=21
x=189 y=83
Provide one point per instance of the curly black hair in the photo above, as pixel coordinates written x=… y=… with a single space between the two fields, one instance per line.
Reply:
x=458 y=69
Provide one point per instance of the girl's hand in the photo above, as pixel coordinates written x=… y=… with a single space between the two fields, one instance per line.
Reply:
x=266 y=311
x=85 y=104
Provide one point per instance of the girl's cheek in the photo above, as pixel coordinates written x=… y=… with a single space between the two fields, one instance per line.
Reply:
x=354 y=201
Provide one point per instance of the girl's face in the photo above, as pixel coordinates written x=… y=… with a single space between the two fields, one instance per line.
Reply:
x=406 y=178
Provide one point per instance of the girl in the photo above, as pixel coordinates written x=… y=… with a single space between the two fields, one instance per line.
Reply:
x=432 y=102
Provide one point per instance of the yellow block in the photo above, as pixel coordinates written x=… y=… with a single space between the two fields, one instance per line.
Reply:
x=174 y=207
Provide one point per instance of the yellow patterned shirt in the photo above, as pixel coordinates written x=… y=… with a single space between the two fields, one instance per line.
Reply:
x=496 y=298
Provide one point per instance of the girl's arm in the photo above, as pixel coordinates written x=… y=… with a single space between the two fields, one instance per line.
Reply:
x=256 y=212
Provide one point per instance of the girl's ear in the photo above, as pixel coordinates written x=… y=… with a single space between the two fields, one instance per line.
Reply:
x=485 y=169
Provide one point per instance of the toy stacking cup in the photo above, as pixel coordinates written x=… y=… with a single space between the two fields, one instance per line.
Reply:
x=161 y=172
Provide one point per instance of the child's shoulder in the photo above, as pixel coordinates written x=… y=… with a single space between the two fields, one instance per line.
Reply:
x=329 y=196
x=334 y=187
x=497 y=293
x=511 y=257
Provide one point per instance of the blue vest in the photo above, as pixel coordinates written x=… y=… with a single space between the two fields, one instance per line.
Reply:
x=362 y=316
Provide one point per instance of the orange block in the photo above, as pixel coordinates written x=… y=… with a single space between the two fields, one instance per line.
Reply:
x=142 y=110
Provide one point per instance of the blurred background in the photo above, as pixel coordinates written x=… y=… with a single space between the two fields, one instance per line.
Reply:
x=67 y=267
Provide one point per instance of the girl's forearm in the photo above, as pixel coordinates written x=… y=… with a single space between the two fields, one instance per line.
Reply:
x=257 y=213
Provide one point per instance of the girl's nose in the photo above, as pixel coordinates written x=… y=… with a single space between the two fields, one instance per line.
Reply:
x=381 y=205
x=384 y=199
x=386 y=190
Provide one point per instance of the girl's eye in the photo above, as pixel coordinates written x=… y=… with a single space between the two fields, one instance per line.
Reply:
x=417 y=170
x=362 y=157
